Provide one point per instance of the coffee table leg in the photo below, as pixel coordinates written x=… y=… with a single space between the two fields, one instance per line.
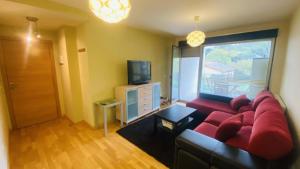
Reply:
x=155 y=125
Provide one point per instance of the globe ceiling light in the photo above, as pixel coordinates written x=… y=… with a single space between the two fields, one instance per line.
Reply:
x=197 y=37
x=111 y=11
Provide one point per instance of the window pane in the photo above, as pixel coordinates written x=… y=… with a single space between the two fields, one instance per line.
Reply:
x=236 y=68
x=175 y=79
x=175 y=73
x=189 y=78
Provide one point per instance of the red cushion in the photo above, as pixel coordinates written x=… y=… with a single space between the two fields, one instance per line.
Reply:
x=245 y=108
x=240 y=101
x=260 y=97
x=270 y=138
x=248 y=118
x=217 y=117
x=207 y=106
x=268 y=104
x=241 y=139
x=207 y=129
x=229 y=127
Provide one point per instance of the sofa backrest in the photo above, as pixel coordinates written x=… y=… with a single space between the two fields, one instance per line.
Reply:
x=260 y=97
x=268 y=104
x=270 y=137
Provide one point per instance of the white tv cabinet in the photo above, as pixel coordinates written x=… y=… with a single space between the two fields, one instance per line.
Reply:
x=138 y=100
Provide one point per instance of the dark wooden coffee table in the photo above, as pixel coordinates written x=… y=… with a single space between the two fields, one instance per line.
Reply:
x=173 y=119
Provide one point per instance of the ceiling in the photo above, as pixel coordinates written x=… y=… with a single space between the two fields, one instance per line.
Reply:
x=13 y=14
x=169 y=16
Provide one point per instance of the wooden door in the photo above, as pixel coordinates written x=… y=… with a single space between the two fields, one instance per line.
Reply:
x=29 y=76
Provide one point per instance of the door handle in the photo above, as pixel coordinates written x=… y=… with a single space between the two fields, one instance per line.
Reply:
x=12 y=86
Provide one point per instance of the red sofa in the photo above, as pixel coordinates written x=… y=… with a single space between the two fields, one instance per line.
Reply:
x=207 y=106
x=264 y=130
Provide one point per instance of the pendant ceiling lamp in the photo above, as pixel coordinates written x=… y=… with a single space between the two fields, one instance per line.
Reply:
x=111 y=11
x=33 y=30
x=197 y=37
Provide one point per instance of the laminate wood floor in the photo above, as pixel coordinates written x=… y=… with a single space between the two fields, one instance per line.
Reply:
x=60 y=144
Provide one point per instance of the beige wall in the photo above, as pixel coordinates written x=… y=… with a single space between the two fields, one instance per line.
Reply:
x=291 y=80
x=88 y=108
x=280 y=48
x=109 y=46
x=64 y=70
x=69 y=69
x=4 y=129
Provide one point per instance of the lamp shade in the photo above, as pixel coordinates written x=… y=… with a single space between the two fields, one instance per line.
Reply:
x=195 y=38
x=111 y=11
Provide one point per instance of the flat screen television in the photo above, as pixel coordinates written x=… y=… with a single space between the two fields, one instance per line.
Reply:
x=139 y=72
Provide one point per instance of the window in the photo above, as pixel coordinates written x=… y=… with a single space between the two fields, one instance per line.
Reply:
x=232 y=69
x=185 y=73
x=230 y=65
x=189 y=78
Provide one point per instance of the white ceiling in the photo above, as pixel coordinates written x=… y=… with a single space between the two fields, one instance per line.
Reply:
x=170 y=16
x=176 y=16
x=13 y=14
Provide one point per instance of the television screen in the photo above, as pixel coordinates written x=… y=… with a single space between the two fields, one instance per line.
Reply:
x=139 y=72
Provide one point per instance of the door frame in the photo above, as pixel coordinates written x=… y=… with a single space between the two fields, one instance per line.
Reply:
x=5 y=78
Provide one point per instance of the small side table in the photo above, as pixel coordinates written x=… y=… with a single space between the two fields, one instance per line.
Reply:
x=104 y=105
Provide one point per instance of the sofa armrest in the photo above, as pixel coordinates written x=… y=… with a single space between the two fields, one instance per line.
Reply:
x=215 y=153
x=230 y=157
x=198 y=144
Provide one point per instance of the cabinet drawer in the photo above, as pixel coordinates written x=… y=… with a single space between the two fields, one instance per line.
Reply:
x=148 y=87
x=146 y=99
x=147 y=104
x=147 y=92
x=147 y=111
x=143 y=93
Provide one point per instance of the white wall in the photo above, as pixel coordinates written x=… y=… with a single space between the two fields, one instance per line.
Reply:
x=290 y=91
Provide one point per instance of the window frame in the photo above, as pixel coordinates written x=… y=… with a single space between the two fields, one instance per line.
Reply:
x=226 y=98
